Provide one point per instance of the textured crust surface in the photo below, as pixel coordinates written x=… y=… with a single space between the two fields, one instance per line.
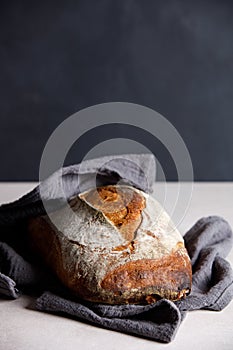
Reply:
x=120 y=248
x=122 y=207
x=168 y=275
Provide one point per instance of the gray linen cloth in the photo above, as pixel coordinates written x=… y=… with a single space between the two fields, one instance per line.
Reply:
x=208 y=242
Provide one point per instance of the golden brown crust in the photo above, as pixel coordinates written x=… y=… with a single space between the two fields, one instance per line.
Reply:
x=120 y=205
x=172 y=274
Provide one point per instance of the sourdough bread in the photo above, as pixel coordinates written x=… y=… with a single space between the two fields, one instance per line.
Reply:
x=116 y=246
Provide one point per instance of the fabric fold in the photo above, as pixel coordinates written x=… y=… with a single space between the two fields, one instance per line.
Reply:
x=160 y=322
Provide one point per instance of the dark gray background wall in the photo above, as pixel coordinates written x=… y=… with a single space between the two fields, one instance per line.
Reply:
x=57 y=57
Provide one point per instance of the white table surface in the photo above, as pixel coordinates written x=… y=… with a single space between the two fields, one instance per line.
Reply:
x=22 y=328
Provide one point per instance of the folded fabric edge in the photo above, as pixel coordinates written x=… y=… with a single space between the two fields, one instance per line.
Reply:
x=8 y=287
x=164 y=333
x=34 y=194
x=223 y=295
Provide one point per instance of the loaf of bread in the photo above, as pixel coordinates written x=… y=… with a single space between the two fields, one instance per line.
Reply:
x=116 y=246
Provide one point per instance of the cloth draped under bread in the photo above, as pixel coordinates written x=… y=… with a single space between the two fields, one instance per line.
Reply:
x=208 y=242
